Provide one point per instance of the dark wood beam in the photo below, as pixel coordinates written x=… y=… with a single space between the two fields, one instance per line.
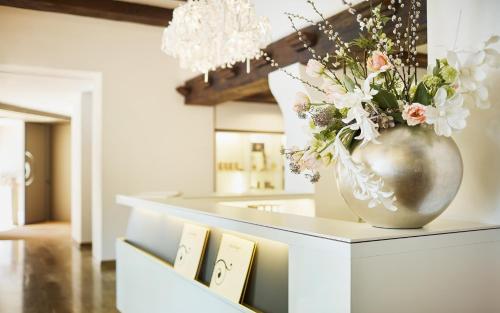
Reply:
x=263 y=97
x=105 y=9
x=288 y=50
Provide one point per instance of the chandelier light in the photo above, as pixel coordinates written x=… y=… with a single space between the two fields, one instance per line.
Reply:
x=206 y=34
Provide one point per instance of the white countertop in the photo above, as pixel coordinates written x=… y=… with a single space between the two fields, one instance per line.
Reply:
x=344 y=231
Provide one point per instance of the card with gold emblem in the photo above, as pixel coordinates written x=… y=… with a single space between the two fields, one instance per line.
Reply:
x=191 y=250
x=232 y=267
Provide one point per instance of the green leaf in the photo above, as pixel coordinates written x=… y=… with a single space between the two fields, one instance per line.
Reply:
x=422 y=95
x=436 y=69
x=349 y=83
x=385 y=99
x=363 y=42
x=357 y=70
x=319 y=136
x=398 y=117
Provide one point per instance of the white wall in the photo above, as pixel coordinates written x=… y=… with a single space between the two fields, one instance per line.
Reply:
x=150 y=139
x=61 y=172
x=479 y=195
x=284 y=89
x=81 y=171
x=249 y=116
x=12 y=169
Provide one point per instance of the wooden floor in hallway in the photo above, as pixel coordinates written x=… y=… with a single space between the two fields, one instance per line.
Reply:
x=42 y=271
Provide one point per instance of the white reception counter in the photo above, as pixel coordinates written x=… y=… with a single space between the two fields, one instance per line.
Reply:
x=305 y=263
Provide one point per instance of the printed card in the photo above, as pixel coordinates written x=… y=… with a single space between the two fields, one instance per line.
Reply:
x=191 y=249
x=232 y=267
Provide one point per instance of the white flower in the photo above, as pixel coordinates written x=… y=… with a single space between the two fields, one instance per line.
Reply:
x=492 y=57
x=353 y=101
x=448 y=114
x=480 y=97
x=333 y=91
x=347 y=100
x=365 y=185
x=368 y=129
x=471 y=72
x=492 y=40
x=367 y=90
x=314 y=68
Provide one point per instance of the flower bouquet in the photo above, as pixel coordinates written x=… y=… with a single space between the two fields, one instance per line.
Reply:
x=370 y=86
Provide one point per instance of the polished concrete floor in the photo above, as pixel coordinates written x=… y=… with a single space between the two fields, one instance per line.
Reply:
x=42 y=271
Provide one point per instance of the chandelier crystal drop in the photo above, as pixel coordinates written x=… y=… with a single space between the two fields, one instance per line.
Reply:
x=206 y=34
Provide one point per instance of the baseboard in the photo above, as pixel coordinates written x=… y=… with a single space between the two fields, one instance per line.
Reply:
x=108 y=265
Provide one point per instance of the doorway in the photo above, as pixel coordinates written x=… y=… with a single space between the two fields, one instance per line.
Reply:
x=77 y=95
x=47 y=172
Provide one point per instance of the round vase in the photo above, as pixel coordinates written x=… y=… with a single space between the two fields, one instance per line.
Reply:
x=422 y=169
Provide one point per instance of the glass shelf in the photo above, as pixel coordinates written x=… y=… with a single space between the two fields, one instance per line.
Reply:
x=246 y=161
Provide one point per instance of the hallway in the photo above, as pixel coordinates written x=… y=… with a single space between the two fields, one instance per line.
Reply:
x=42 y=271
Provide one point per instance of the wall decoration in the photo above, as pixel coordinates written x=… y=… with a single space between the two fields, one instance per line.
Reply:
x=191 y=250
x=232 y=267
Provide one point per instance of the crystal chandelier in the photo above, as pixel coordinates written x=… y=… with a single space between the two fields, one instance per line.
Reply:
x=206 y=34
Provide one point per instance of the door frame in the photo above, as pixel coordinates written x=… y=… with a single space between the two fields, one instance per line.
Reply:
x=86 y=146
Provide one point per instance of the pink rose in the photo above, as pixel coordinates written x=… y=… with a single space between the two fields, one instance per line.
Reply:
x=378 y=61
x=414 y=114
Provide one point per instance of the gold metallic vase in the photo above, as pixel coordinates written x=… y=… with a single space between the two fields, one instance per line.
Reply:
x=422 y=169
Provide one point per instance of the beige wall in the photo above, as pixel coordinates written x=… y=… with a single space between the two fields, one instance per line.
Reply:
x=150 y=139
x=249 y=116
x=61 y=172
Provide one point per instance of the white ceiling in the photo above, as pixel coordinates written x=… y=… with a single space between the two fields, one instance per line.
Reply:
x=274 y=10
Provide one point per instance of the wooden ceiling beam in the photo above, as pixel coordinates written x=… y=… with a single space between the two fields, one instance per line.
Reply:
x=105 y=9
x=288 y=50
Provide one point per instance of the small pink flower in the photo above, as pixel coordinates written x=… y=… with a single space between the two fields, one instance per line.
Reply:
x=301 y=103
x=310 y=161
x=414 y=114
x=378 y=61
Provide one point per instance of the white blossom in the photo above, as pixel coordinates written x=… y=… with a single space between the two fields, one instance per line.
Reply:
x=346 y=100
x=314 y=68
x=368 y=129
x=333 y=90
x=447 y=114
x=480 y=97
x=492 y=57
x=471 y=72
